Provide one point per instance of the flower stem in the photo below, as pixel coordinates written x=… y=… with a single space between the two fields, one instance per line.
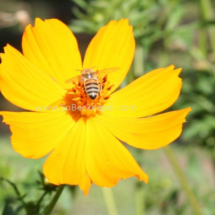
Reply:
x=109 y=200
x=172 y=158
x=50 y=207
x=41 y=199
x=140 y=197
x=208 y=15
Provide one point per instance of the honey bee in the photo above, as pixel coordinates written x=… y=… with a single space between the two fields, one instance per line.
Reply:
x=89 y=80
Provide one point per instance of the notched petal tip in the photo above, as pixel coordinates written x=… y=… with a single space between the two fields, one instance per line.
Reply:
x=144 y=177
x=188 y=109
x=171 y=65
x=6 y=47
x=176 y=70
x=85 y=189
x=185 y=112
x=37 y=20
x=124 y=21
x=29 y=26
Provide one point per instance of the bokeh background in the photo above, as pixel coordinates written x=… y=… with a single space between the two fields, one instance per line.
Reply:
x=179 y=32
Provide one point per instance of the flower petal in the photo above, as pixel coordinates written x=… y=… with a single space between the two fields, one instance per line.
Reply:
x=149 y=94
x=107 y=160
x=52 y=47
x=147 y=133
x=66 y=164
x=113 y=46
x=23 y=84
x=35 y=134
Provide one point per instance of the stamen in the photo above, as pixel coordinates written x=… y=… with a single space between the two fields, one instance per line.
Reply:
x=109 y=88
x=105 y=79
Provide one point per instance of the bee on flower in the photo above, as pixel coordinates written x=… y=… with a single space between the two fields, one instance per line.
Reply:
x=89 y=80
x=83 y=144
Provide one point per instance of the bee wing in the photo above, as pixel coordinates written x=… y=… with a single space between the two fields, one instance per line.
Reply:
x=74 y=79
x=108 y=70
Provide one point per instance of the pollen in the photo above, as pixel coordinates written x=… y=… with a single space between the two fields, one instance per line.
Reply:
x=77 y=97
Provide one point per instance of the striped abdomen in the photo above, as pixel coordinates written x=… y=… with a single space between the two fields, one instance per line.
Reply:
x=92 y=88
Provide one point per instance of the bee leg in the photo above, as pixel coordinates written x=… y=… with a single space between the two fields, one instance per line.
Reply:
x=83 y=88
x=100 y=87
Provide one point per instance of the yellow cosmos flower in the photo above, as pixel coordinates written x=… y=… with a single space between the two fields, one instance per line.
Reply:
x=84 y=144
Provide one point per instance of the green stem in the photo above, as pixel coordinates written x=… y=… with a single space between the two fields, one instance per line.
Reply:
x=139 y=196
x=203 y=42
x=109 y=200
x=181 y=177
x=41 y=199
x=166 y=12
x=50 y=207
x=208 y=15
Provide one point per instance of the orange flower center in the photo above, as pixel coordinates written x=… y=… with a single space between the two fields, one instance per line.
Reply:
x=77 y=98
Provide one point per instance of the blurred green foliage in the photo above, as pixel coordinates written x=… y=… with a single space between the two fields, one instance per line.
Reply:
x=152 y=20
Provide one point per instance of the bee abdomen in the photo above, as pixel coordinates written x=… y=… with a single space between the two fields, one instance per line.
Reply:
x=92 y=88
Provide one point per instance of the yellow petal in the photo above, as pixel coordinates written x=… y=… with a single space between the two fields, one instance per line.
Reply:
x=52 y=47
x=113 y=46
x=149 y=94
x=147 y=133
x=35 y=134
x=23 y=84
x=66 y=164
x=107 y=160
